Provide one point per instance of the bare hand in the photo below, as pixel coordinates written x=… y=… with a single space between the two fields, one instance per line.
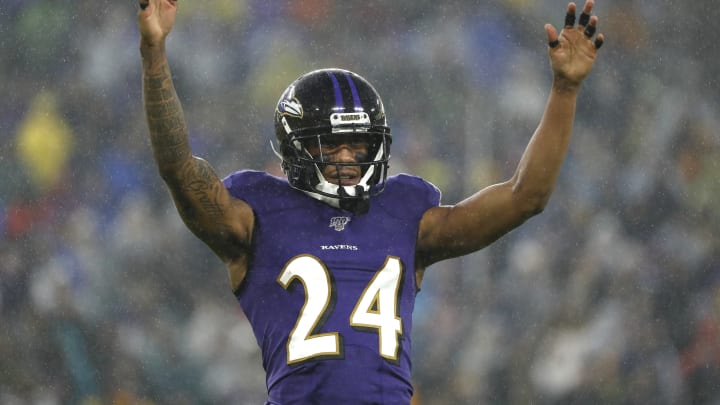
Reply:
x=573 y=51
x=155 y=19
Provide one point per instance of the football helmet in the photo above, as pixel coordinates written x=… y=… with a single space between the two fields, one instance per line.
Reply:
x=312 y=113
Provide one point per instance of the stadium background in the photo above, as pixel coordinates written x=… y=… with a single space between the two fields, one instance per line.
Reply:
x=611 y=296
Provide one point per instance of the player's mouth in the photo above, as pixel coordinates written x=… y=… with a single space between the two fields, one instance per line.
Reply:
x=345 y=177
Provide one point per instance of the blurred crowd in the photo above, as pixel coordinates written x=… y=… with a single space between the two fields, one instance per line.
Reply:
x=610 y=296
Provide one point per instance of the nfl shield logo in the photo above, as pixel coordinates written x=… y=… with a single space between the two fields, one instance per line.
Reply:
x=339 y=223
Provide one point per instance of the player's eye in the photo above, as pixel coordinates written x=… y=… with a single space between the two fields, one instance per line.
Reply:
x=330 y=143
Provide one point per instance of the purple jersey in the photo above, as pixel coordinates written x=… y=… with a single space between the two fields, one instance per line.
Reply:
x=330 y=294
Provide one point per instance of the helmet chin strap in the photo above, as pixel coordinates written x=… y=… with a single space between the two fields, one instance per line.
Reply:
x=351 y=198
x=359 y=205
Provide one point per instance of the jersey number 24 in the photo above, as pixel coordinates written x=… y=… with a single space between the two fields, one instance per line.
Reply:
x=375 y=309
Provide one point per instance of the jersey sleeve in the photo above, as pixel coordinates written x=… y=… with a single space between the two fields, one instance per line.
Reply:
x=241 y=183
x=410 y=196
x=262 y=191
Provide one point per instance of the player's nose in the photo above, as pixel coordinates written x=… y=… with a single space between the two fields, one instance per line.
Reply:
x=344 y=154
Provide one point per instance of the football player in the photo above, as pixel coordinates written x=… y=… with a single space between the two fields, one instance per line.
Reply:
x=326 y=261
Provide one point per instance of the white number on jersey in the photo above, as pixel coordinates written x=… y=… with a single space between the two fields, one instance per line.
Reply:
x=375 y=309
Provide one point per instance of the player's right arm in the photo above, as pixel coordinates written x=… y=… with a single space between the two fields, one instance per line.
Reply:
x=205 y=205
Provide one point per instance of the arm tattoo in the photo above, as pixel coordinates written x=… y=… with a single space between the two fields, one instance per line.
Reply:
x=196 y=189
x=198 y=199
x=168 y=131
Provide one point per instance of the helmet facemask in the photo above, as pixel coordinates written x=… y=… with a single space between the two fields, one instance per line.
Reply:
x=305 y=170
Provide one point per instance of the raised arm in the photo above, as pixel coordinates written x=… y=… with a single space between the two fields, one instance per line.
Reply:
x=477 y=221
x=205 y=205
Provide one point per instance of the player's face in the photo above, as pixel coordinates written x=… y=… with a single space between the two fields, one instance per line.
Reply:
x=341 y=149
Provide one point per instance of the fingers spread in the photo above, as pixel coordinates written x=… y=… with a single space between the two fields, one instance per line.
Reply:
x=591 y=27
x=570 y=15
x=585 y=16
x=552 y=36
x=587 y=23
x=584 y=19
x=599 y=40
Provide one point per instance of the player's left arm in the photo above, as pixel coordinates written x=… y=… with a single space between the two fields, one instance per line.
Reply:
x=451 y=231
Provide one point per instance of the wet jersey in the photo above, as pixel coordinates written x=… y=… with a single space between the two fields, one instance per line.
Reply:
x=330 y=294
